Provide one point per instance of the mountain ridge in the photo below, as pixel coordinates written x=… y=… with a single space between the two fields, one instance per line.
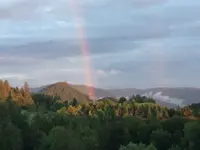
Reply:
x=164 y=95
x=63 y=90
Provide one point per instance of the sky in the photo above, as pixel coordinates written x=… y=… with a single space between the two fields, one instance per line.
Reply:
x=132 y=43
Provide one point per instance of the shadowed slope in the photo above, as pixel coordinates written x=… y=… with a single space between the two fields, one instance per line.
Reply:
x=65 y=92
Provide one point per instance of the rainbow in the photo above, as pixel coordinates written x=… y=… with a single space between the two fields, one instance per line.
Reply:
x=84 y=46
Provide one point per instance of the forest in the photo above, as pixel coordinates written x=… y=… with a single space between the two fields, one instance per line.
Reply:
x=42 y=122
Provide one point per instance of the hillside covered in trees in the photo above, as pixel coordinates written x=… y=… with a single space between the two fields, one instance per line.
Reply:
x=44 y=122
x=65 y=92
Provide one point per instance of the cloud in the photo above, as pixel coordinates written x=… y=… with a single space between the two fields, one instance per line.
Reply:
x=144 y=47
x=48 y=9
x=115 y=72
x=14 y=76
x=168 y=99
x=24 y=9
x=152 y=63
x=12 y=60
x=107 y=74
x=62 y=23
x=47 y=71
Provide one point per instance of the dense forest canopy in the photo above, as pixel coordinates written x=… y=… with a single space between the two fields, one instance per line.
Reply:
x=42 y=122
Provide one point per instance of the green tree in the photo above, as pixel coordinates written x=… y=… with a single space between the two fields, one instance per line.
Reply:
x=27 y=95
x=10 y=137
x=122 y=100
x=44 y=102
x=112 y=135
x=140 y=146
x=26 y=89
x=139 y=99
x=56 y=140
x=145 y=130
x=192 y=134
x=175 y=126
x=42 y=122
x=74 y=102
x=161 y=139
x=89 y=138
x=175 y=148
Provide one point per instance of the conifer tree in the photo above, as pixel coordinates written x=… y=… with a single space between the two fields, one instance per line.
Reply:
x=26 y=89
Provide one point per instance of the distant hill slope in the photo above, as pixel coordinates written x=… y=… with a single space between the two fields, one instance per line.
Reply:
x=80 y=88
x=165 y=96
x=38 y=89
x=98 y=92
x=64 y=91
x=179 y=95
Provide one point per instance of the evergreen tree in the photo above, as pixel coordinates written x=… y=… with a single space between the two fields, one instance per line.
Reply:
x=161 y=139
x=140 y=146
x=26 y=89
x=27 y=95
x=10 y=138
x=74 y=102
x=57 y=140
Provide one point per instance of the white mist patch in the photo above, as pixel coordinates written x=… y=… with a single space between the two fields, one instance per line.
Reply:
x=168 y=99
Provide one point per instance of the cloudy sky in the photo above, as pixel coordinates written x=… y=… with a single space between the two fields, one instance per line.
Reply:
x=132 y=43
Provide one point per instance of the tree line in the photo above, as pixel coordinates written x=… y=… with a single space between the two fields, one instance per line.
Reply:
x=21 y=96
x=135 y=124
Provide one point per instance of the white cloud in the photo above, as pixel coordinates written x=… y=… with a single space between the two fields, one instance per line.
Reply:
x=160 y=97
x=18 y=9
x=107 y=74
x=114 y=72
x=62 y=23
x=8 y=76
x=21 y=60
x=7 y=3
x=47 y=9
x=101 y=73
x=41 y=72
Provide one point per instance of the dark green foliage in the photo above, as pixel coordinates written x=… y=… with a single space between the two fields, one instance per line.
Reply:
x=175 y=126
x=122 y=100
x=192 y=135
x=145 y=130
x=44 y=102
x=175 y=148
x=140 y=146
x=58 y=139
x=115 y=135
x=74 y=102
x=42 y=122
x=161 y=139
x=10 y=137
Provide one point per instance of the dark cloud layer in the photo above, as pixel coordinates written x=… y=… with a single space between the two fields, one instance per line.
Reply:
x=133 y=43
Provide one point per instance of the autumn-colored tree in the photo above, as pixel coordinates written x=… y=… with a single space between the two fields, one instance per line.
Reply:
x=6 y=88
x=187 y=112
x=27 y=95
x=2 y=89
